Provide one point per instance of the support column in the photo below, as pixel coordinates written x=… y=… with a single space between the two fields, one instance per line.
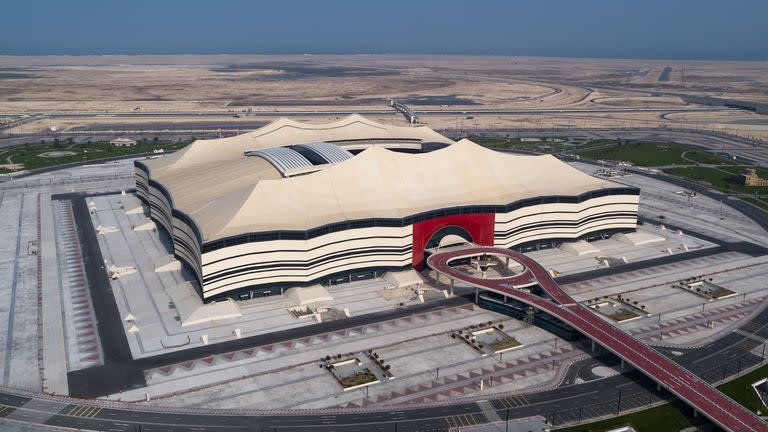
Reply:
x=452 y=283
x=622 y=364
x=477 y=295
x=593 y=346
x=507 y=261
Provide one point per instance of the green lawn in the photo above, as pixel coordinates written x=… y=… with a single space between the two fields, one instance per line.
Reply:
x=676 y=416
x=546 y=145
x=760 y=204
x=741 y=391
x=29 y=155
x=638 y=153
x=664 y=418
x=652 y=154
x=513 y=143
x=718 y=179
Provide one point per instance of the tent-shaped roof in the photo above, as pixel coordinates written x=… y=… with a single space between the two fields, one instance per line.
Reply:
x=208 y=170
x=380 y=183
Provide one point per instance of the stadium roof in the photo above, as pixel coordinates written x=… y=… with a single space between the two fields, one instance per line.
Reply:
x=323 y=151
x=228 y=193
x=286 y=160
x=380 y=183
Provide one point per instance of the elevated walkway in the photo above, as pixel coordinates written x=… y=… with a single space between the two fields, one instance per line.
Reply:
x=696 y=392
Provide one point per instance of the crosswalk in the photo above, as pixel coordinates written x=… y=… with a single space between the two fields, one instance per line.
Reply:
x=456 y=422
x=752 y=327
x=5 y=410
x=510 y=402
x=746 y=345
x=83 y=411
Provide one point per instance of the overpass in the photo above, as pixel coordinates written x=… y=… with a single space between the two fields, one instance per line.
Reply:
x=405 y=111
x=705 y=399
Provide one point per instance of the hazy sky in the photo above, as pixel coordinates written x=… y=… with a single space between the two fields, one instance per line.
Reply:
x=683 y=29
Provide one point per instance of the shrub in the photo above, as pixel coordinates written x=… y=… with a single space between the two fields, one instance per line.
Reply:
x=338 y=356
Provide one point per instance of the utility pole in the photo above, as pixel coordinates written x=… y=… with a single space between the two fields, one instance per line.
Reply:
x=618 y=405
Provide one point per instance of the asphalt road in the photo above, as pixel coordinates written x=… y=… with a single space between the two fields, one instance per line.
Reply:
x=594 y=398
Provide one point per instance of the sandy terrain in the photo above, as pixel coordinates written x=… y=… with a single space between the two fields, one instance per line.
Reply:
x=358 y=83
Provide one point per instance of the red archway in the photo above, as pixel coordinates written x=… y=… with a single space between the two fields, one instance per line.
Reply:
x=479 y=226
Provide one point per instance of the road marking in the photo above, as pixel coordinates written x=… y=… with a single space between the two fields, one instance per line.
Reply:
x=515 y=401
x=461 y=420
x=84 y=411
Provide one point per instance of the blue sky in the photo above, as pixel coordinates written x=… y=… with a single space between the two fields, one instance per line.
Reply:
x=677 y=29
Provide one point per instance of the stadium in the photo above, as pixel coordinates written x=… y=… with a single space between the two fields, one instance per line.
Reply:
x=294 y=204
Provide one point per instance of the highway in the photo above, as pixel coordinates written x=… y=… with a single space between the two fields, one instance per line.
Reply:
x=283 y=113
x=722 y=410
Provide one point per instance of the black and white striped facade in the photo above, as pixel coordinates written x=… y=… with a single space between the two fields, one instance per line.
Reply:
x=243 y=265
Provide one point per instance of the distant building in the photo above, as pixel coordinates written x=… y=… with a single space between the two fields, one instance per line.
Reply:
x=750 y=178
x=123 y=142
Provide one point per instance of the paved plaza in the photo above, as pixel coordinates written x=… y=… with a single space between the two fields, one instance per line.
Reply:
x=51 y=324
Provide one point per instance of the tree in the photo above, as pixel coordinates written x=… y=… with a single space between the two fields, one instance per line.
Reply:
x=501 y=326
x=327 y=358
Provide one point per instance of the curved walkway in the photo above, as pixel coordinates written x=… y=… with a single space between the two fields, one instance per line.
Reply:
x=696 y=392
